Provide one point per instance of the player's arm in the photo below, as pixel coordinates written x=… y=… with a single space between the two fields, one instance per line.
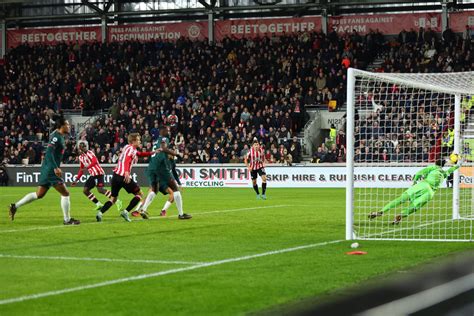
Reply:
x=145 y=153
x=164 y=148
x=423 y=173
x=246 y=161
x=128 y=166
x=49 y=157
x=79 y=174
x=452 y=169
x=175 y=175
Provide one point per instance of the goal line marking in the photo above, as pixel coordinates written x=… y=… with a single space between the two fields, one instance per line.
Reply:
x=162 y=273
x=98 y=259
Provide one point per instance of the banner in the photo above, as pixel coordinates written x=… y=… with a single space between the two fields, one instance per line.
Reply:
x=387 y=24
x=237 y=176
x=329 y=118
x=459 y=20
x=151 y=32
x=53 y=36
x=251 y=28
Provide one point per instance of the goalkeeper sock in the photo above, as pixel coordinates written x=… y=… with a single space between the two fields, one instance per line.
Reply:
x=179 y=202
x=30 y=197
x=264 y=188
x=65 y=205
x=255 y=187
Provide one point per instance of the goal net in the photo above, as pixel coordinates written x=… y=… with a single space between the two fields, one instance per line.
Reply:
x=397 y=125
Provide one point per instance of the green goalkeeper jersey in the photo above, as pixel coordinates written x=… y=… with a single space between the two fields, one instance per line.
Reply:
x=434 y=175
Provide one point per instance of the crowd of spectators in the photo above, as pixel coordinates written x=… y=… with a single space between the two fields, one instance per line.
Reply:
x=397 y=124
x=215 y=98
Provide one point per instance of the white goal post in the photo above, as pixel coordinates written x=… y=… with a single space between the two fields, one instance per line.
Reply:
x=399 y=123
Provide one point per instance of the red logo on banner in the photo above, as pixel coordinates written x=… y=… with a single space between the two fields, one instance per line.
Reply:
x=385 y=23
x=266 y=27
x=53 y=36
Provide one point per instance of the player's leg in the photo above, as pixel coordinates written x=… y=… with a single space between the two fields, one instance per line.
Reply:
x=30 y=197
x=102 y=190
x=263 y=175
x=88 y=186
x=179 y=199
x=392 y=204
x=116 y=186
x=131 y=188
x=143 y=207
x=253 y=175
x=66 y=204
x=166 y=190
x=418 y=200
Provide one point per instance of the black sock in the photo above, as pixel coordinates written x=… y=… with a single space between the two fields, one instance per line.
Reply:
x=106 y=206
x=255 y=187
x=264 y=188
x=95 y=200
x=133 y=203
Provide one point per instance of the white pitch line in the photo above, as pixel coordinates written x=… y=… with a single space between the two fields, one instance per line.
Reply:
x=162 y=273
x=153 y=217
x=99 y=259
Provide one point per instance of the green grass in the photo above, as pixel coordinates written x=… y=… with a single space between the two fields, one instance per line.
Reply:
x=227 y=224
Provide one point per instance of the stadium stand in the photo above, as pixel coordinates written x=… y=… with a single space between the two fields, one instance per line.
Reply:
x=215 y=98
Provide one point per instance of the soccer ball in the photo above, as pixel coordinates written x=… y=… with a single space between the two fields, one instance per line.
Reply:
x=454 y=157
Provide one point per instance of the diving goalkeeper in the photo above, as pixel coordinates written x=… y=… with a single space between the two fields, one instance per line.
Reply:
x=426 y=182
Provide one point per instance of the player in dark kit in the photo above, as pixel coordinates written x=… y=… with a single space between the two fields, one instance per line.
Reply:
x=122 y=177
x=255 y=162
x=89 y=161
x=161 y=179
x=51 y=173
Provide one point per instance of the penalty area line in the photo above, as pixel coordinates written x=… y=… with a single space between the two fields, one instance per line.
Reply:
x=162 y=273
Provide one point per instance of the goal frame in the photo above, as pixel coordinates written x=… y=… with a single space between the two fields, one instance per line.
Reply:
x=352 y=73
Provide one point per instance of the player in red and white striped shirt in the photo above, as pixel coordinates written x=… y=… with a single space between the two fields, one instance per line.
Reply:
x=122 y=179
x=89 y=161
x=255 y=162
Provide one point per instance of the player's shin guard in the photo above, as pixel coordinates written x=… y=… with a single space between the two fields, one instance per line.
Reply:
x=179 y=202
x=106 y=207
x=255 y=187
x=149 y=199
x=66 y=205
x=30 y=197
x=264 y=188
x=136 y=199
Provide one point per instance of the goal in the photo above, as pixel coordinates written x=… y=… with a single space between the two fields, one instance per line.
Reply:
x=397 y=124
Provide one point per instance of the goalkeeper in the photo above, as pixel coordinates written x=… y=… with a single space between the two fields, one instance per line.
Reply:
x=426 y=182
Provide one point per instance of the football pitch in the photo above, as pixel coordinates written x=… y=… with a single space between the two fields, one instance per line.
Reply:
x=236 y=256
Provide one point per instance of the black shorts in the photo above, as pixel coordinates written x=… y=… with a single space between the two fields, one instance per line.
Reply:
x=260 y=172
x=118 y=182
x=93 y=181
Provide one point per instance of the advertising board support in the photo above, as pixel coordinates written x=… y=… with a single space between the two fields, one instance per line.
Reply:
x=103 y=28
x=210 y=26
